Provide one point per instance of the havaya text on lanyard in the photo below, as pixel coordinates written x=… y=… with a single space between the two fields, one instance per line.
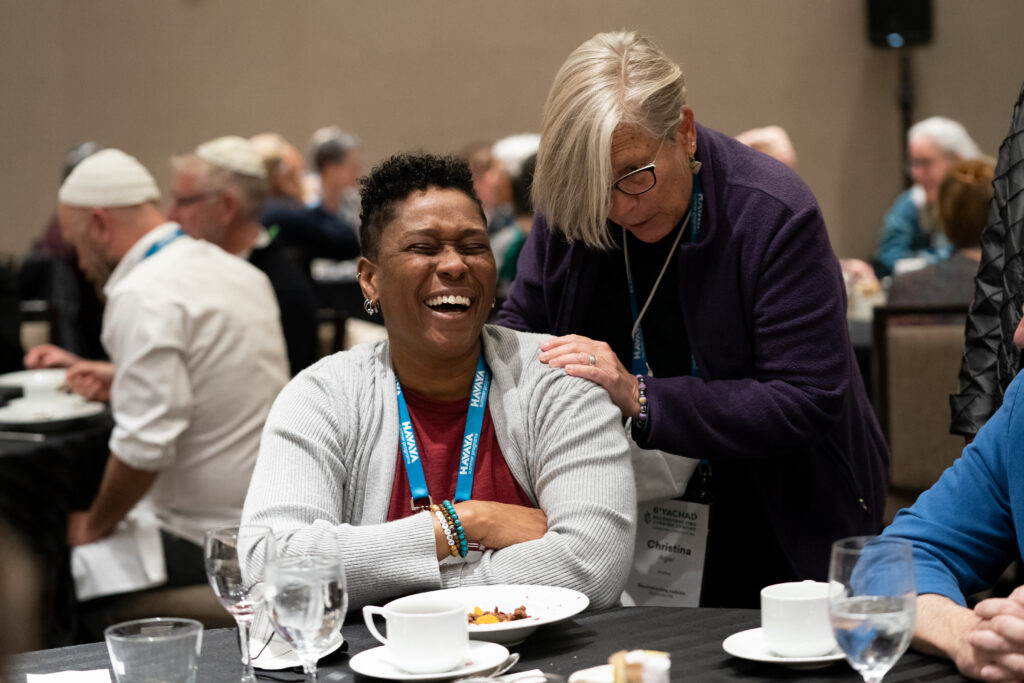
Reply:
x=160 y=244
x=470 y=441
x=640 y=366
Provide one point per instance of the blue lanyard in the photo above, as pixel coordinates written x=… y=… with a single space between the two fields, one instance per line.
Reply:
x=160 y=244
x=470 y=440
x=639 y=363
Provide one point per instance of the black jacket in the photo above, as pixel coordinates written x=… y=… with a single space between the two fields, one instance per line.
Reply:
x=991 y=360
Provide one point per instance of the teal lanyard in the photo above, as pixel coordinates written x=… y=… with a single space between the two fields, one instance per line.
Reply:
x=639 y=363
x=160 y=244
x=470 y=440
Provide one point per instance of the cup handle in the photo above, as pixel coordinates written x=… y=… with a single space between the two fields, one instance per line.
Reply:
x=368 y=612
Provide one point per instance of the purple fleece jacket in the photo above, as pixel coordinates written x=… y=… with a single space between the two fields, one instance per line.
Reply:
x=764 y=306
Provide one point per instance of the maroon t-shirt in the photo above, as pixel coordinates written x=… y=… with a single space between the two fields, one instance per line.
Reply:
x=439 y=427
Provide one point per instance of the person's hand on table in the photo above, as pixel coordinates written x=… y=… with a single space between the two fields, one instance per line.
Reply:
x=858 y=270
x=91 y=379
x=995 y=646
x=49 y=356
x=594 y=360
x=80 y=531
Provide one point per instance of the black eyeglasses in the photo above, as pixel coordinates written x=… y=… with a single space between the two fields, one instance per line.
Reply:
x=641 y=180
x=637 y=182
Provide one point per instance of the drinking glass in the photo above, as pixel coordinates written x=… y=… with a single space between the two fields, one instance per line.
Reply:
x=157 y=649
x=235 y=558
x=306 y=594
x=872 y=601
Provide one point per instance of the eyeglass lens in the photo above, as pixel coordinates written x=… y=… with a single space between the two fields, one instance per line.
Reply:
x=637 y=182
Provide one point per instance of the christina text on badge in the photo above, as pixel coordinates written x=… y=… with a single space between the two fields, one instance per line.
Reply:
x=665 y=547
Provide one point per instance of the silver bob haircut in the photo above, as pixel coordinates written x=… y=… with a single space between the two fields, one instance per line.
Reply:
x=950 y=136
x=611 y=79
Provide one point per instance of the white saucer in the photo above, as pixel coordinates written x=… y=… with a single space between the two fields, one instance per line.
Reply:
x=750 y=645
x=483 y=656
x=48 y=410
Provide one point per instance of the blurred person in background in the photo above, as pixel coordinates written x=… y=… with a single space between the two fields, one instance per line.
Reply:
x=523 y=204
x=305 y=232
x=218 y=195
x=477 y=156
x=197 y=355
x=338 y=161
x=499 y=181
x=50 y=272
x=910 y=228
x=771 y=140
x=963 y=202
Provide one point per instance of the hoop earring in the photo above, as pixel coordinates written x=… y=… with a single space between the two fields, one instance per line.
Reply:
x=694 y=165
x=370 y=307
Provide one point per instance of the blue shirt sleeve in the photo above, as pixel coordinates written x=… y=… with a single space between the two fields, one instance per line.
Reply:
x=899 y=231
x=962 y=528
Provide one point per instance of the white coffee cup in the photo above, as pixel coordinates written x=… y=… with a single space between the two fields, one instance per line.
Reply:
x=426 y=634
x=794 y=619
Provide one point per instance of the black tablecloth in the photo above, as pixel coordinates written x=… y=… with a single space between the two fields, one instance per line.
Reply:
x=39 y=483
x=692 y=636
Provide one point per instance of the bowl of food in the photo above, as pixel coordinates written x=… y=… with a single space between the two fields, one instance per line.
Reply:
x=508 y=614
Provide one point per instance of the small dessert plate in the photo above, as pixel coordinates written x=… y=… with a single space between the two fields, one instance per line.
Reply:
x=482 y=656
x=750 y=645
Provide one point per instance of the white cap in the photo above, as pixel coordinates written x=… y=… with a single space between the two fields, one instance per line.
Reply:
x=233 y=153
x=515 y=150
x=108 y=178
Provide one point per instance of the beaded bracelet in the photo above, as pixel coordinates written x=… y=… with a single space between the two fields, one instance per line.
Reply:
x=446 y=528
x=641 y=419
x=450 y=509
x=455 y=534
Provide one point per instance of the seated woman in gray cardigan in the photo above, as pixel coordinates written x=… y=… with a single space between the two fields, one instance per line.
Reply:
x=446 y=455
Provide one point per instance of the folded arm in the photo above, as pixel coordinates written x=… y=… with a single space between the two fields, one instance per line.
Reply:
x=577 y=468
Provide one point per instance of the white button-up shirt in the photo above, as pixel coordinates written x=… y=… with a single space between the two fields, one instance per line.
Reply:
x=195 y=338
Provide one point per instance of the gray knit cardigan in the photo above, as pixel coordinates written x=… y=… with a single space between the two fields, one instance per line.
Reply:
x=330 y=448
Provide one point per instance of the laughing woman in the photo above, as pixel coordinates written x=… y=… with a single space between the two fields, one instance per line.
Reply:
x=369 y=442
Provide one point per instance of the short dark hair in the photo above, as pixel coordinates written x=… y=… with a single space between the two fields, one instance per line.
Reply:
x=393 y=180
x=331 y=146
x=522 y=184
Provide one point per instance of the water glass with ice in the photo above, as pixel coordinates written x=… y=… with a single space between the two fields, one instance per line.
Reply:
x=306 y=594
x=872 y=603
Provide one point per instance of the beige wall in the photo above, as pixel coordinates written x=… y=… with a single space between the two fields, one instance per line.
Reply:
x=158 y=76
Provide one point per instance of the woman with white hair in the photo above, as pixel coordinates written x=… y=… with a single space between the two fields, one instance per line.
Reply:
x=910 y=227
x=693 y=279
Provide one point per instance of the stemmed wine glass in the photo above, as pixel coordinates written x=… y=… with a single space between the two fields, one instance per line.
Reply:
x=872 y=601
x=306 y=593
x=235 y=559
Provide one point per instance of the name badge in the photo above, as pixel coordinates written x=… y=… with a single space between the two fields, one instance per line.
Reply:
x=668 y=559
